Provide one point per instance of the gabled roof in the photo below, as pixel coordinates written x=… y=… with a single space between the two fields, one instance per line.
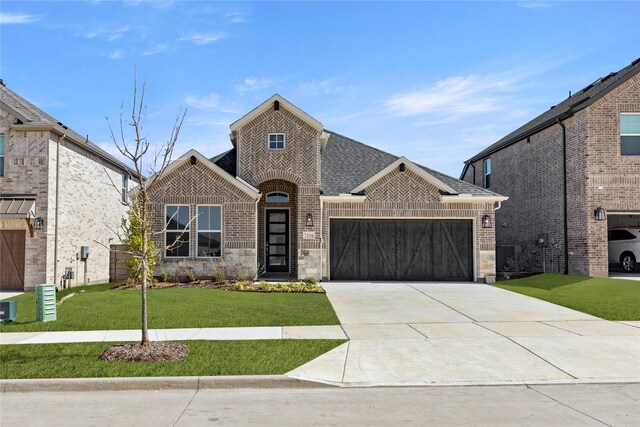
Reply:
x=226 y=161
x=410 y=165
x=30 y=116
x=347 y=163
x=578 y=101
x=269 y=104
x=237 y=182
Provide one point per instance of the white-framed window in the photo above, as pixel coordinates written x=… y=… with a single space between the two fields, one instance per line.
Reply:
x=209 y=225
x=630 y=134
x=277 y=197
x=1 y=155
x=276 y=141
x=178 y=230
x=487 y=173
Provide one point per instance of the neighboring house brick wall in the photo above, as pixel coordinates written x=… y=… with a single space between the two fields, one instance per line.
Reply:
x=406 y=195
x=197 y=184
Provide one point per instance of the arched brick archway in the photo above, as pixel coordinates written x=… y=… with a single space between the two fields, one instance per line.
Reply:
x=291 y=189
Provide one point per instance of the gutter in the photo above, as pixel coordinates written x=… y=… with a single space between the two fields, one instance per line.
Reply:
x=564 y=186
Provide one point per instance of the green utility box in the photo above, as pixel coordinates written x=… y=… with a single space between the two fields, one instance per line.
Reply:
x=45 y=303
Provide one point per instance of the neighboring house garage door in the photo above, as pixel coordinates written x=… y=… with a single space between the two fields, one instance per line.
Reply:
x=12 y=259
x=401 y=249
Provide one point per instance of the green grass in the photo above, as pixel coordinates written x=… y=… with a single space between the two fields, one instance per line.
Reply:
x=206 y=358
x=100 y=308
x=611 y=299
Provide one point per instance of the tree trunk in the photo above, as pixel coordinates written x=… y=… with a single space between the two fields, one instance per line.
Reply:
x=145 y=267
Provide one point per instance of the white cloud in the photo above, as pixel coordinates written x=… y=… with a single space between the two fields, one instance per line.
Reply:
x=203 y=38
x=325 y=87
x=17 y=18
x=253 y=83
x=117 y=54
x=159 y=48
x=206 y=102
x=236 y=17
x=454 y=96
x=109 y=35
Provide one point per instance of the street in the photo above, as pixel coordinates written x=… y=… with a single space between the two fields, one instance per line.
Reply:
x=537 y=405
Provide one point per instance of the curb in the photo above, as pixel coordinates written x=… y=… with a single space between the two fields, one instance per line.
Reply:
x=157 y=383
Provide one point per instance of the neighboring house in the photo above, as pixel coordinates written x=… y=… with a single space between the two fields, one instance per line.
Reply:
x=57 y=194
x=293 y=200
x=571 y=174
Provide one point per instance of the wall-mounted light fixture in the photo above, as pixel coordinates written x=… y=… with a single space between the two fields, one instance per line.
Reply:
x=38 y=223
x=309 y=220
x=600 y=214
x=486 y=222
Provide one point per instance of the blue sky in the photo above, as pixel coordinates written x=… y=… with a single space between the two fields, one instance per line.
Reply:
x=435 y=82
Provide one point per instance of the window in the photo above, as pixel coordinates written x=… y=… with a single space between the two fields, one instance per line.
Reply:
x=487 y=173
x=177 y=231
x=276 y=141
x=1 y=155
x=630 y=134
x=210 y=231
x=125 y=187
x=277 y=198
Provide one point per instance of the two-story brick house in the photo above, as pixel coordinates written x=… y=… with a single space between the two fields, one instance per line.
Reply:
x=571 y=174
x=294 y=200
x=57 y=194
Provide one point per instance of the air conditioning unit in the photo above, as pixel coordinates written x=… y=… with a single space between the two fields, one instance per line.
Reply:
x=8 y=311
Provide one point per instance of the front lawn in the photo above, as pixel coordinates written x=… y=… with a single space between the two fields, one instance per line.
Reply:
x=206 y=358
x=97 y=307
x=611 y=299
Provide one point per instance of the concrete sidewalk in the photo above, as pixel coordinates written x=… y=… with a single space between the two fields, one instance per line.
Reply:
x=213 y=334
x=415 y=334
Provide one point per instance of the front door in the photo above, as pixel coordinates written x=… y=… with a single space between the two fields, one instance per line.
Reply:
x=277 y=241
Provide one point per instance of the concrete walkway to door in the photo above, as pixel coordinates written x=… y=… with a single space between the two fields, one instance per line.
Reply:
x=466 y=333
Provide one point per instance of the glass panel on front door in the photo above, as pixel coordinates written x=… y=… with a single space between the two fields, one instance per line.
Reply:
x=277 y=241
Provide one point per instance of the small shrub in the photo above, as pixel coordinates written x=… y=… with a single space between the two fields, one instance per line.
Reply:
x=164 y=275
x=310 y=280
x=192 y=276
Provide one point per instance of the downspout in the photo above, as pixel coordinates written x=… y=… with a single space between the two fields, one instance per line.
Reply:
x=257 y=245
x=321 y=239
x=55 y=236
x=564 y=185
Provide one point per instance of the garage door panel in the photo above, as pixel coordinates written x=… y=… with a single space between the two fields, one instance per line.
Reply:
x=401 y=250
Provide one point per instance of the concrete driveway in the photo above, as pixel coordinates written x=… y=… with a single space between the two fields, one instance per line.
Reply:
x=465 y=333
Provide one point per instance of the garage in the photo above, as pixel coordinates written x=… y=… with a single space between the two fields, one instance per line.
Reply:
x=623 y=242
x=387 y=249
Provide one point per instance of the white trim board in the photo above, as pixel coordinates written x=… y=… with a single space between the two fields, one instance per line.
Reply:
x=268 y=104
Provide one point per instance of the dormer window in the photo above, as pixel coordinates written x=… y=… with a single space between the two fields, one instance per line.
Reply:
x=276 y=141
x=277 y=198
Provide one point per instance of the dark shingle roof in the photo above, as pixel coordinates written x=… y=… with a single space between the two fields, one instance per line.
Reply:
x=580 y=100
x=347 y=163
x=29 y=114
x=226 y=161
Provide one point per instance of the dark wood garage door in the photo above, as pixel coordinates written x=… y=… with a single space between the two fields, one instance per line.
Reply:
x=12 y=259
x=401 y=249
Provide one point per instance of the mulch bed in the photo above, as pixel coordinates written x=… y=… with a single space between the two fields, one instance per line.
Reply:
x=222 y=284
x=155 y=351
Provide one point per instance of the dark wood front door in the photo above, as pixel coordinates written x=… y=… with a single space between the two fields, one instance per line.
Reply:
x=12 y=257
x=277 y=241
x=401 y=250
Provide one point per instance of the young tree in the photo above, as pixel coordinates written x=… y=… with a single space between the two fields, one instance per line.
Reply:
x=135 y=146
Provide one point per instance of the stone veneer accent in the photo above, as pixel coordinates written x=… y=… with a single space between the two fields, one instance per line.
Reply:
x=530 y=174
x=406 y=195
x=198 y=185
x=89 y=208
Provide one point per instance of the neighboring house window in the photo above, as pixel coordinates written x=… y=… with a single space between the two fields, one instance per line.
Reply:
x=277 y=198
x=210 y=231
x=125 y=186
x=1 y=155
x=487 y=173
x=276 y=141
x=177 y=231
x=630 y=134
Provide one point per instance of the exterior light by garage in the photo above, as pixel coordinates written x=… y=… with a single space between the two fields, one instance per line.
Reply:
x=38 y=223
x=600 y=214
x=309 y=220
x=486 y=222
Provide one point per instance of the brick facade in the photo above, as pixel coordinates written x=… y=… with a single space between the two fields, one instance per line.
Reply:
x=530 y=173
x=89 y=206
x=194 y=185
